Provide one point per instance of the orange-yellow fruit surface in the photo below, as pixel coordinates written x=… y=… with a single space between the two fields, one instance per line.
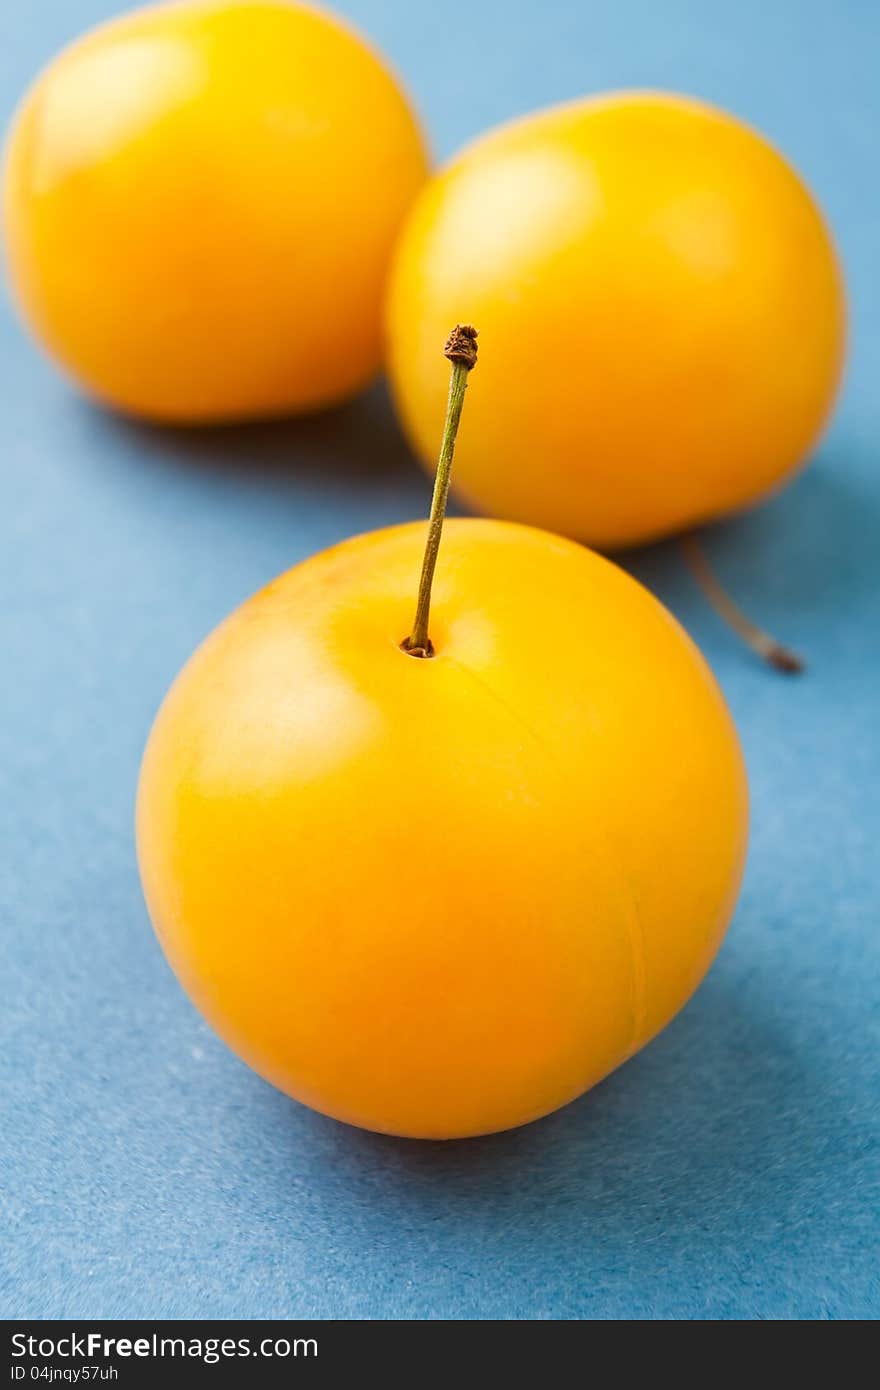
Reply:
x=443 y=897
x=664 y=307
x=200 y=202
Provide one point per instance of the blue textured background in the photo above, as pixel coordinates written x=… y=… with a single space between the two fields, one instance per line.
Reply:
x=731 y=1169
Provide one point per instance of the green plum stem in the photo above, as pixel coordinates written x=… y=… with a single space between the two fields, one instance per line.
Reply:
x=461 y=350
x=760 y=642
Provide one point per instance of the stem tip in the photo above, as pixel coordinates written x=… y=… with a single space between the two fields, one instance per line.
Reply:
x=461 y=345
x=783 y=659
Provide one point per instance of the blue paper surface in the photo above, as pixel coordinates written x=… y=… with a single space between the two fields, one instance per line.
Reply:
x=730 y=1170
